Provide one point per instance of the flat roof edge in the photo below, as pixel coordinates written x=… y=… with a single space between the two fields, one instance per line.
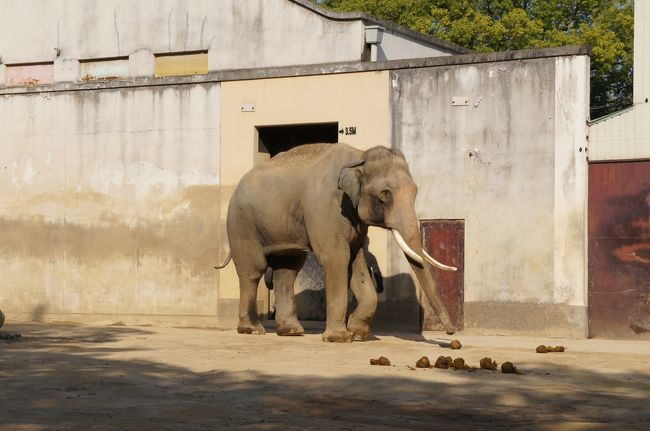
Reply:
x=611 y=115
x=389 y=25
x=307 y=70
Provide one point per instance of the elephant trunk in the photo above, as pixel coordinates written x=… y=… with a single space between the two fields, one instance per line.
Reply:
x=409 y=234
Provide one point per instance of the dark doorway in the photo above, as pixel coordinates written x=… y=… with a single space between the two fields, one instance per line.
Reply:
x=445 y=241
x=275 y=139
x=619 y=250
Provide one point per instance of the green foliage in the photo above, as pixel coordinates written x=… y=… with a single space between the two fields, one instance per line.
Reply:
x=502 y=25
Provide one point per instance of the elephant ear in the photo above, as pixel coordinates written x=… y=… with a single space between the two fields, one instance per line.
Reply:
x=350 y=181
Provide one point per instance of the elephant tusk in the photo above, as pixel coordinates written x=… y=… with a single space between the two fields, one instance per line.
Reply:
x=437 y=264
x=405 y=248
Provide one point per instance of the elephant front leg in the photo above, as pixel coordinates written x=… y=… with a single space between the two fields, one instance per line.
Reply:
x=366 y=295
x=336 y=291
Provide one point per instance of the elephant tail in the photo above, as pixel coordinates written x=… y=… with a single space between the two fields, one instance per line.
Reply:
x=268 y=278
x=223 y=265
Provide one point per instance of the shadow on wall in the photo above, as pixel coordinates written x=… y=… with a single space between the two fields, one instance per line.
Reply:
x=397 y=309
x=38 y=312
x=143 y=394
x=183 y=228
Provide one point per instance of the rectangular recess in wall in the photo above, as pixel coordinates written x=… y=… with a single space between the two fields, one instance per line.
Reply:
x=30 y=74
x=104 y=69
x=278 y=138
x=182 y=63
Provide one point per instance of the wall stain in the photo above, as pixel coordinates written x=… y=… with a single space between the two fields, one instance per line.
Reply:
x=183 y=229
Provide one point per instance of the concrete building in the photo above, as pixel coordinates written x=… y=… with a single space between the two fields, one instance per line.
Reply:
x=120 y=155
x=619 y=205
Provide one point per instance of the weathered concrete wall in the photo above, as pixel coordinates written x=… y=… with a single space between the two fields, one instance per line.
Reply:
x=109 y=204
x=237 y=33
x=113 y=194
x=510 y=164
x=395 y=46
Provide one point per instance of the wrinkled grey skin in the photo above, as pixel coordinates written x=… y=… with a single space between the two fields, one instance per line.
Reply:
x=322 y=197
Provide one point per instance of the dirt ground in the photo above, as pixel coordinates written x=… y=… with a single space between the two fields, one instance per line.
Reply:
x=73 y=377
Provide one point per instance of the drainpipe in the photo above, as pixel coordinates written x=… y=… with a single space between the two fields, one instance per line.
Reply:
x=374 y=33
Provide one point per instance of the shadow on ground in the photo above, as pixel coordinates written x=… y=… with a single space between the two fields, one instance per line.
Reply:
x=66 y=382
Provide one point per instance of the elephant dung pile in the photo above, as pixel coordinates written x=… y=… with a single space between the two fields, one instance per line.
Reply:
x=447 y=362
x=455 y=345
x=382 y=360
x=423 y=362
x=549 y=349
x=509 y=368
x=488 y=364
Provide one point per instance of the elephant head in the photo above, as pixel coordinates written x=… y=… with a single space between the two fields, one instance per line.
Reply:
x=382 y=191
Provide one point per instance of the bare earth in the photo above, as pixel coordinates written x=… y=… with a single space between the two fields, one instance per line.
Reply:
x=68 y=377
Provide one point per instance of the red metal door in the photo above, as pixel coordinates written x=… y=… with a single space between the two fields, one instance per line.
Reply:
x=619 y=249
x=445 y=241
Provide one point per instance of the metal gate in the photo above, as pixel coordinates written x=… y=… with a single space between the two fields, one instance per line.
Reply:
x=445 y=240
x=619 y=249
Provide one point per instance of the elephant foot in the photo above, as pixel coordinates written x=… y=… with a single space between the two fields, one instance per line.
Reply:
x=337 y=336
x=290 y=328
x=255 y=329
x=359 y=331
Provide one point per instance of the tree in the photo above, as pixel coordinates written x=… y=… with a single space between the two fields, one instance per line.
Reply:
x=502 y=25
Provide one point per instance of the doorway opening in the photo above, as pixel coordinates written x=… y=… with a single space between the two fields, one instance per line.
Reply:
x=273 y=140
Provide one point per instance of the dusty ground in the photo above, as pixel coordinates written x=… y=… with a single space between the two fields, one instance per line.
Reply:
x=61 y=377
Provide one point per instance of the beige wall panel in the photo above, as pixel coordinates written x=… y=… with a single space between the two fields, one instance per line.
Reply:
x=359 y=99
x=186 y=64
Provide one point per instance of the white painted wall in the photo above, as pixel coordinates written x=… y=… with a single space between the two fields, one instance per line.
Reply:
x=625 y=135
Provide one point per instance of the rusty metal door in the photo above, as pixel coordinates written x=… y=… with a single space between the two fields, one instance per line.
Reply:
x=445 y=240
x=619 y=249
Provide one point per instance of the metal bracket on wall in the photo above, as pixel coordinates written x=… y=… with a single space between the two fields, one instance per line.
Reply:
x=459 y=101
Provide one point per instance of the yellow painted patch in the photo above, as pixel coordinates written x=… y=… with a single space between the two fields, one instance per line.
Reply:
x=183 y=64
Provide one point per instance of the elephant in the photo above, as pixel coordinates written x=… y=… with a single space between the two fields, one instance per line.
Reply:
x=323 y=198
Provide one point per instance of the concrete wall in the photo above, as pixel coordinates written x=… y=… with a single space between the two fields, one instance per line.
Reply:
x=109 y=204
x=113 y=195
x=510 y=164
x=395 y=46
x=237 y=34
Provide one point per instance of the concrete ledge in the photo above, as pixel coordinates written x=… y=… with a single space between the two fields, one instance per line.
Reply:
x=229 y=312
x=309 y=70
x=552 y=320
x=178 y=321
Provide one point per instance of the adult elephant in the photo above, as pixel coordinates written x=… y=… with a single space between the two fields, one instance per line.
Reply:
x=323 y=197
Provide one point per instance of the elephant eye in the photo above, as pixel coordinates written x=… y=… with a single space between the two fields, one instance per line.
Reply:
x=385 y=195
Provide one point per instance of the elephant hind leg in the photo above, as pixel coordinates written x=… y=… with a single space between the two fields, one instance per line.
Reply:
x=249 y=318
x=285 y=270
